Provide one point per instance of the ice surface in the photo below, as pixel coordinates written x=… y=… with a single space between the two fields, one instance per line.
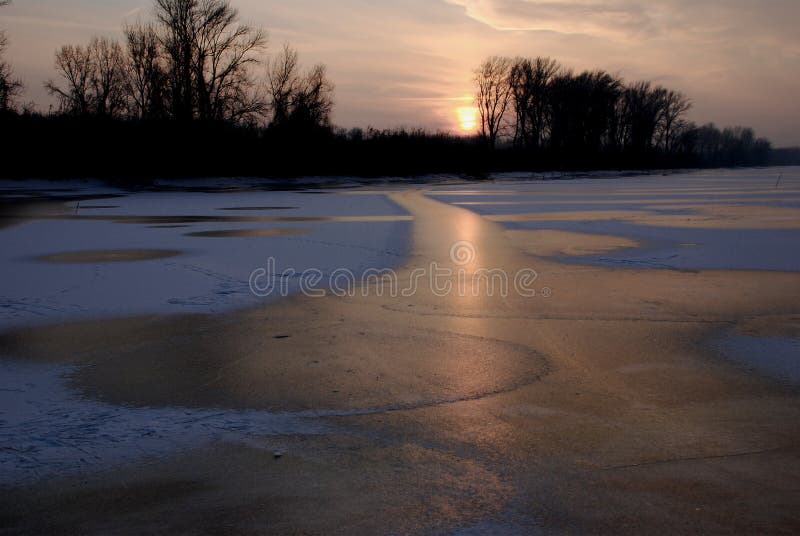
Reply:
x=211 y=275
x=661 y=247
x=776 y=357
x=687 y=249
x=46 y=430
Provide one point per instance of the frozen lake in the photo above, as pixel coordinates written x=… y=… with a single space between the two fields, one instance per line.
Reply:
x=85 y=251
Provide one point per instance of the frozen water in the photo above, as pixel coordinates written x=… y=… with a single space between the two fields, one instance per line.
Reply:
x=661 y=247
x=46 y=430
x=210 y=275
x=776 y=357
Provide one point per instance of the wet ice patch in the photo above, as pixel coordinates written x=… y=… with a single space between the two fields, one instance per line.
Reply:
x=46 y=430
x=684 y=248
x=776 y=357
x=109 y=255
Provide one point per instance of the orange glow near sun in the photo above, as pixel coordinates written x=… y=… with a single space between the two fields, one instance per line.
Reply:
x=467 y=118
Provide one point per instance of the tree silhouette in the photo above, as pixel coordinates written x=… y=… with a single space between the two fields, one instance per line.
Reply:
x=176 y=22
x=492 y=79
x=194 y=62
x=146 y=76
x=675 y=105
x=298 y=101
x=282 y=79
x=582 y=109
x=10 y=87
x=74 y=65
x=209 y=55
x=732 y=146
x=108 y=77
x=530 y=83
x=313 y=102
x=592 y=116
x=94 y=79
x=642 y=113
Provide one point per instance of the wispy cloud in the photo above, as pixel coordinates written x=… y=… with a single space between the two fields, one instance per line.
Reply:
x=132 y=12
x=638 y=19
x=52 y=22
x=612 y=18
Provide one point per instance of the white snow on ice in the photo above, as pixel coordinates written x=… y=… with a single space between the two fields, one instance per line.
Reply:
x=211 y=274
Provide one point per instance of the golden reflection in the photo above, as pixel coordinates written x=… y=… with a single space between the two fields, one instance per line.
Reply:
x=469 y=255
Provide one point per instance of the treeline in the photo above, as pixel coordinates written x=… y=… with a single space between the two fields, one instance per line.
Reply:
x=185 y=93
x=194 y=62
x=188 y=94
x=786 y=156
x=596 y=118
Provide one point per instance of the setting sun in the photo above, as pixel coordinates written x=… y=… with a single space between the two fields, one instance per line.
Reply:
x=467 y=118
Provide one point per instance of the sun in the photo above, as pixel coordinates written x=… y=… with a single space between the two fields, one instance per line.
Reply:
x=467 y=118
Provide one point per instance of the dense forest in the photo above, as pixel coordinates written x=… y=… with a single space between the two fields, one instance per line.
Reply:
x=186 y=94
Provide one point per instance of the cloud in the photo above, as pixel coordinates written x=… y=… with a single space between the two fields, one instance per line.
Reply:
x=614 y=18
x=132 y=12
x=637 y=20
x=54 y=22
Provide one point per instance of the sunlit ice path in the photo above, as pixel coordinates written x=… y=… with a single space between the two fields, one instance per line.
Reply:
x=511 y=375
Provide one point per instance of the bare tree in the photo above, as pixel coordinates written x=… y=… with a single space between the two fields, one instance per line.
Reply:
x=107 y=62
x=522 y=98
x=282 y=81
x=641 y=112
x=581 y=112
x=10 y=87
x=493 y=95
x=530 y=80
x=177 y=26
x=674 y=106
x=314 y=100
x=94 y=78
x=75 y=67
x=225 y=52
x=304 y=100
x=209 y=55
x=145 y=75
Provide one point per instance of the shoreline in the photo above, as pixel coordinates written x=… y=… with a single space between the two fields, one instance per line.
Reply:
x=324 y=182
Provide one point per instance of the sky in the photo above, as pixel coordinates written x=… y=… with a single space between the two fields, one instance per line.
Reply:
x=410 y=62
